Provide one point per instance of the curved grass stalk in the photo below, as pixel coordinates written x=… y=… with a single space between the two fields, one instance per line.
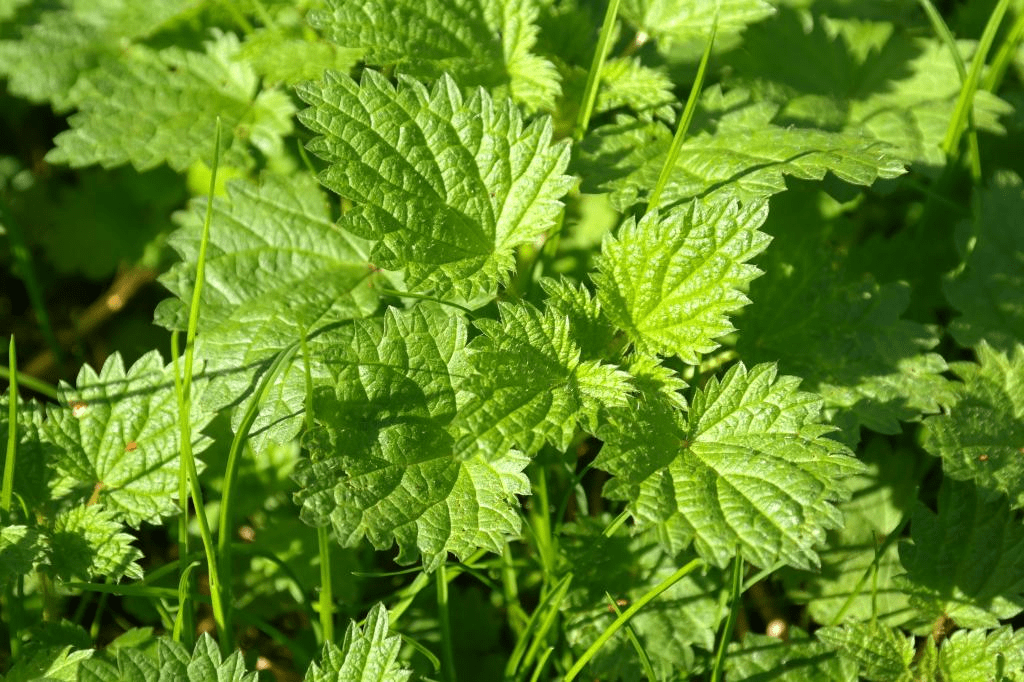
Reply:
x=12 y=429
x=734 y=600
x=617 y=624
x=594 y=75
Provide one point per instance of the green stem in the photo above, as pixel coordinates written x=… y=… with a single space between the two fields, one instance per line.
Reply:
x=12 y=430
x=323 y=540
x=879 y=553
x=217 y=589
x=594 y=76
x=730 y=621
x=23 y=260
x=616 y=523
x=1004 y=56
x=537 y=628
x=965 y=102
x=227 y=504
x=645 y=660
x=444 y=619
x=540 y=514
x=617 y=624
x=30 y=382
x=185 y=615
x=684 y=124
x=424 y=297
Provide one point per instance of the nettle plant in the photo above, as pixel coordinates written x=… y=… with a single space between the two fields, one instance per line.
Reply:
x=628 y=332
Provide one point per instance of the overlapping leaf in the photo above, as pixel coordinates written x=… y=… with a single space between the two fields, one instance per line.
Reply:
x=748 y=468
x=88 y=542
x=277 y=269
x=152 y=107
x=982 y=582
x=882 y=653
x=989 y=290
x=485 y=43
x=530 y=386
x=623 y=567
x=978 y=655
x=34 y=457
x=450 y=186
x=744 y=151
x=22 y=549
x=680 y=21
x=50 y=55
x=861 y=76
x=799 y=659
x=367 y=654
x=383 y=462
x=982 y=436
x=671 y=281
x=172 y=663
x=846 y=338
x=119 y=437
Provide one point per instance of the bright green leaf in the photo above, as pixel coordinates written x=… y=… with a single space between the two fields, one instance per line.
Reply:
x=882 y=653
x=969 y=655
x=367 y=654
x=450 y=186
x=798 y=659
x=88 y=542
x=670 y=281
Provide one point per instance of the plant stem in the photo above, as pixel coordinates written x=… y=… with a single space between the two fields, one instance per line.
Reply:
x=10 y=458
x=185 y=616
x=734 y=605
x=617 y=624
x=218 y=591
x=30 y=382
x=1004 y=56
x=683 y=124
x=444 y=619
x=594 y=75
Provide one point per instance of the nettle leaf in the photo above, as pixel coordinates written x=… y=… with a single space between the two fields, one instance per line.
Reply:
x=744 y=151
x=22 y=549
x=798 y=659
x=982 y=582
x=48 y=664
x=119 y=437
x=88 y=542
x=670 y=281
x=882 y=653
x=285 y=54
x=748 y=468
x=982 y=437
x=590 y=329
x=624 y=567
x=864 y=76
x=681 y=21
x=450 y=186
x=171 y=663
x=845 y=337
x=485 y=43
x=367 y=654
x=627 y=82
x=49 y=56
x=969 y=655
x=880 y=496
x=383 y=461
x=530 y=386
x=989 y=290
x=277 y=268
x=152 y=107
x=34 y=462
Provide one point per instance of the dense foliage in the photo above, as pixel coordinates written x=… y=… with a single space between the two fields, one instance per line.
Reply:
x=529 y=339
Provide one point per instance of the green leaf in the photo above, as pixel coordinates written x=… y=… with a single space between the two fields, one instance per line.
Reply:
x=287 y=56
x=881 y=493
x=846 y=337
x=982 y=437
x=485 y=43
x=33 y=469
x=171 y=663
x=383 y=462
x=859 y=75
x=974 y=655
x=748 y=467
x=511 y=407
x=735 y=145
x=590 y=328
x=119 y=438
x=367 y=654
x=671 y=281
x=87 y=542
x=277 y=268
x=989 y=290
x=982 y=582
x=625 y=568
x=882 y=653
x=50 y=55
x=450 y=186
x=798 y=659
x=627 y=82
x=22 y=549
x=682 y=21
x=152 y=107
x=48 y=665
